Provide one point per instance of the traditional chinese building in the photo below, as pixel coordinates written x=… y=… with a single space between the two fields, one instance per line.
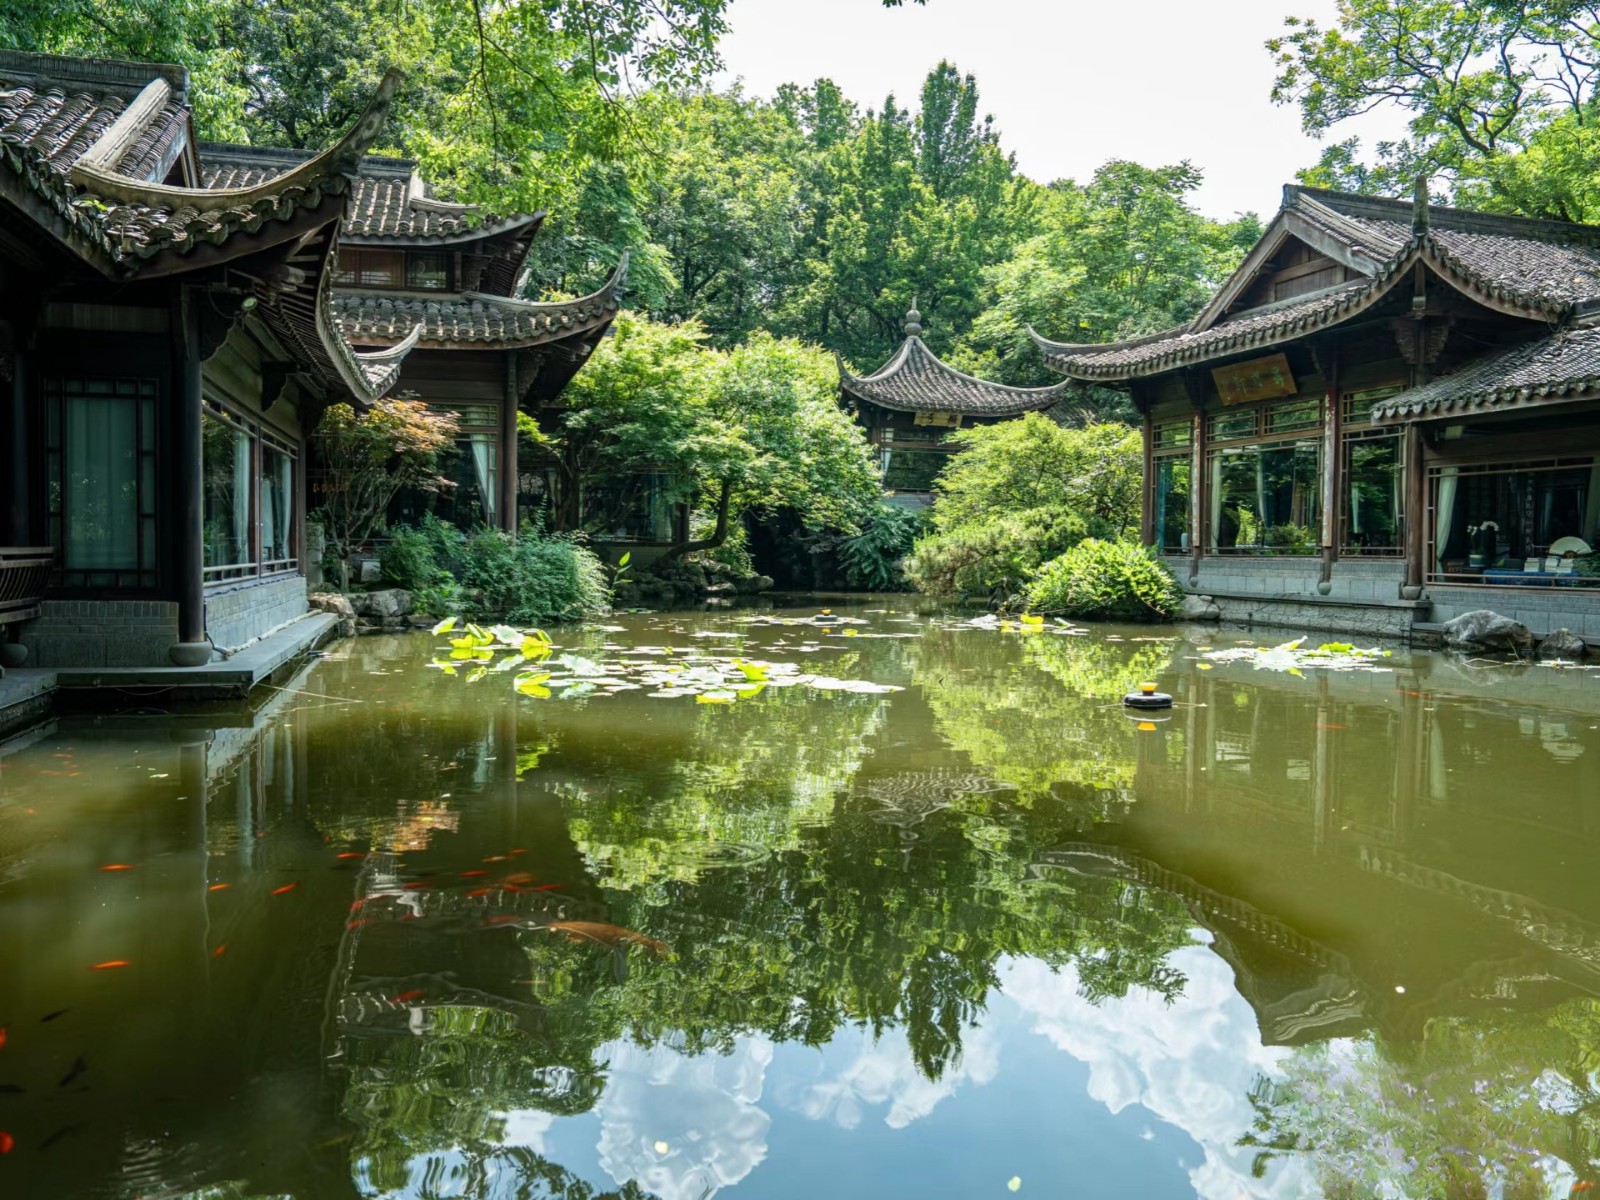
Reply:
x=1388 y=416
x=175 y=317
x=912 y=404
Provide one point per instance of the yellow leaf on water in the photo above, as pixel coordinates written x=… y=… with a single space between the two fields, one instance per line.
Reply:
x=444 y=626
x=1014 y=1184
x=1202 y=666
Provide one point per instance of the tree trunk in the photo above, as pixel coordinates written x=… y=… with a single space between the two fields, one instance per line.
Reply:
x=718 y=535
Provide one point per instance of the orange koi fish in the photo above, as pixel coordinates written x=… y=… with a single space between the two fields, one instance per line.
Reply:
x=519 y=850
x=408 y=997
x=285 y=889
x=472 y=874
x=609 y=935
x=545 y=887
x=1585 y=1186
x=357 y=924
x=221 y=949
x=2 y=1037
x=481 y=892
x=415 y=884
x=6 y=1142
x=218 y=887
x=111 y=965
x=117 y=867
x=351 y=854
x=503 y=919
x=495 y=858
x=521 y=878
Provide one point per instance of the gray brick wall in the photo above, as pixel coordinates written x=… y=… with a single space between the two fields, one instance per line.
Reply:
x=239 y=614
x=101 y=633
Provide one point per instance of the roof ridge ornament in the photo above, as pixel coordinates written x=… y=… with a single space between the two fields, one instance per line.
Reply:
x=1419 y=207
x=913 y=320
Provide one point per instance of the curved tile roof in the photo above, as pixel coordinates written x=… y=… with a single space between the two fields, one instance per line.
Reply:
x=1563 y=366
x=475 y=319
x=1531 y=268
x=388 y=200
x=915 y=380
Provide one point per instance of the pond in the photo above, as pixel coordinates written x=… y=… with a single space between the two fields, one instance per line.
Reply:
x=943 y=920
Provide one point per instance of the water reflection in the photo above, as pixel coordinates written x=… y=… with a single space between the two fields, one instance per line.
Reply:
x=1331 y=931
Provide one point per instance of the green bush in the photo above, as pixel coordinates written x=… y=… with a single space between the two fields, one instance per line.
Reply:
x=992 y=559
x=407 y=561
x=1106 y=581
x=873 y=561
x=531 y=577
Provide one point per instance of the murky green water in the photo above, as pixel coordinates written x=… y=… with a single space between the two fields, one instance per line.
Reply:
x=1338 y=931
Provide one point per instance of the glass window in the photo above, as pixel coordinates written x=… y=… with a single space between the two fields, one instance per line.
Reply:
x=635 y=508
x=1266 y=498
x=1226 y=426
x=1174 y=435
x=427 y=270
x=1171 y=499
x=226 y=479
x=1374 y=499
x=100 y=452
x=277 y=507
x=1517 y=523
x=912 y=470
x=369 y=267
x=1294 y=416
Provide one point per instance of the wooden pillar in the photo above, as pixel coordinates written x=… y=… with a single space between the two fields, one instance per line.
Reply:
x=1199 y=480
x=1147 y=494
x=1415 y=515
x=19 y=500
x=508 y=447
x=1332 y=471
x=188 y=490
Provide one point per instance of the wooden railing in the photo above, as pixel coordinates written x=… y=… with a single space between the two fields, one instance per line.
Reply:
x=24 y=575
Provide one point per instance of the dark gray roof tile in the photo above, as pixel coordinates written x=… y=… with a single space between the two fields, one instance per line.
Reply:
x=914 y=380
x=1563 y=366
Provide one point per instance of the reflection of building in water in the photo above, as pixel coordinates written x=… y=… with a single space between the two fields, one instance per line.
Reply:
x=1301 y=990
x=1430 y=801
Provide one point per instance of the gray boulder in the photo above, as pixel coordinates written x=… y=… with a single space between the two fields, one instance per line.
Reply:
x=339 y=606
x=1483 y=629
x=1563 y=644
x=382 y=605
x=720 y=589
x=1199 y=608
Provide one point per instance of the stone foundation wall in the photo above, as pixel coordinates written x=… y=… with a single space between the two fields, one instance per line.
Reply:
x=1308 y=616
x=101 y=633
x=1543 y=610
x=241 y=613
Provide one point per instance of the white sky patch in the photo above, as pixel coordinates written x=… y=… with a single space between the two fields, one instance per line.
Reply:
x=1070 y=84
x=678 y=1125
x=883 y=1075
x=1190 y=1063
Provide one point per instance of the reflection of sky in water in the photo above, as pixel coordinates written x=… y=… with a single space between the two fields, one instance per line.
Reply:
x=1143 y=1098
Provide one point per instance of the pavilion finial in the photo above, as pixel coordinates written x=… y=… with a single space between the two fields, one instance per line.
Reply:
x=913 y=320
x=1419 y=207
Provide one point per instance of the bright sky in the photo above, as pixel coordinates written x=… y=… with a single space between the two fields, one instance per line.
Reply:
x=1070 y=84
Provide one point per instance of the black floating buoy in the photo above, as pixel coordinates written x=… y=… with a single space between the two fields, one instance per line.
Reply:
x=1147 y=698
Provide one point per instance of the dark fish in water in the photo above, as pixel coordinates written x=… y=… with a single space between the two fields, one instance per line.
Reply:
x=59 y=1134
x=607 y=935
x=10 y=1089
x=60 y=1012
x=78 y=1068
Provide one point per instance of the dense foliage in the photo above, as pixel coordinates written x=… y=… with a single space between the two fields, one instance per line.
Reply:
x=1017 y=496
x=368 y=459
x=492 y=576
x=1500 y=99
x=1106 y=581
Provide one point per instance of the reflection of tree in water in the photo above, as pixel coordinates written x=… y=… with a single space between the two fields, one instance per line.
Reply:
x=1046 y=718
x=1477 y=1104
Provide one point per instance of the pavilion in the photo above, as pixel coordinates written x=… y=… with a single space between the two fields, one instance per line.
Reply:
x=911 y=405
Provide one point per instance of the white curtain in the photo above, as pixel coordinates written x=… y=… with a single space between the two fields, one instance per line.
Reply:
x=277 y=499
x=241 y=497
x=482 y=446
x=101 y=478
x=1216 y=501
x=1444 y=511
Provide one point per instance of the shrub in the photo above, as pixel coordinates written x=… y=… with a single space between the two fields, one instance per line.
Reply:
x=991 y=559
x=1106 y=581
x=532 y=578
x=873 y=561
x=407 y=561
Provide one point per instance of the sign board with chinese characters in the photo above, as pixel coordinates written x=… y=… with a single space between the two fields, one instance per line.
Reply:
x=949 y=420
x=1258 y=379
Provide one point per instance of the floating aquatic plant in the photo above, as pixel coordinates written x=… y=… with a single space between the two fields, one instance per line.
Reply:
x=1294 y=658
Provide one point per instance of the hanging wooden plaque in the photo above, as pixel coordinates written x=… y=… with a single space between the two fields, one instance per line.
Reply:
x=1258 y=379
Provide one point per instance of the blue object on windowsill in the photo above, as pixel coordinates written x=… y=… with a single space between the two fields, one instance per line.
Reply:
x=1519 y=578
